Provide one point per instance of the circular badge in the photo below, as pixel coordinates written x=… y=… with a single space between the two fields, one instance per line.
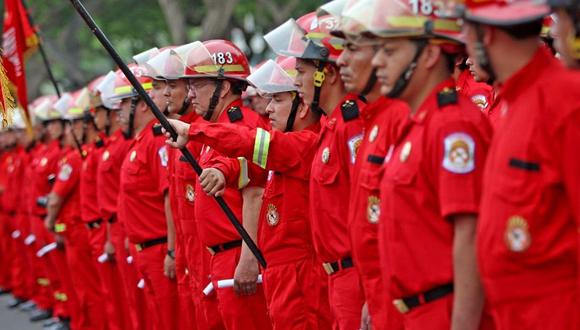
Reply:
x=517 y=234
x=373 y=133
x=405 y=152
x=272 y=215
x=133 y=155
x=43 y=161
x=373 y=209
x=106 y=155
x=326 y=155
x=189 y=193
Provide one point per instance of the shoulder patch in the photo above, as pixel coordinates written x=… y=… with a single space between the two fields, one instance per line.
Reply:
x=163 y=156
x=353 y=146
x=65 y=172
x=446 y=97
x=480 y=100
x=349 y=110
x=235 y=114
x=459 y=153
x=157 y=129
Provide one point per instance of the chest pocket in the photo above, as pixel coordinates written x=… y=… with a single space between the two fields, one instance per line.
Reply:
x=327 y=165
x=370 y=177
x=135 y=171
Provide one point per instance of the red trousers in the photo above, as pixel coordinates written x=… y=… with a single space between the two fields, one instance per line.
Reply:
x=237 y=312
x=297 y=295
x=346 y=299
x=44 y=296
x=186 y=312
x=160 y=291
x=5 y=252
x=66 y=301
x=110 y=278
x=84 y=275
x=136 y=305
x=21 y=270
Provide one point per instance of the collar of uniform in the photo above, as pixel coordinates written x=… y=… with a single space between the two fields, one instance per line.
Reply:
x=54 y=144
x=337 y=113
x=146 y=130
x=370 y=110
x=224 y=115
x=513 y=86
x=430 y=103
x=189 y=117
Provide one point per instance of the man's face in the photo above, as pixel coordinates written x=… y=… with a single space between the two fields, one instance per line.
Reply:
x=101 y=118
x=563 y=33
x=157 y=94
x=78 y=128
x=54 y=129
x=476 y=71
x=200 y=92
x=175 y=93
x=279 y=109
x=259 y=104
x=124 y=113
x=305 y=80
x=354 y=66
x=391 y=60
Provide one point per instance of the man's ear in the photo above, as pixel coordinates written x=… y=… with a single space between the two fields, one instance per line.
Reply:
x=226 y=87
x=141 y=106
x=488 y=34
x=303 y=110
x=431 y=55
x=332 y=74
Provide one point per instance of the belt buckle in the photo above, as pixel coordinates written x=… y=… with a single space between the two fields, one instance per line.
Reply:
x=211 y=251
x=401 y=306
x=328 y=268
x=139 y=247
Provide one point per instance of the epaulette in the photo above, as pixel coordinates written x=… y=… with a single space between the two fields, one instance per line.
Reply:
x=157 y=129
x=349 y=110
x=446 y=97
x=99 y=143
x=235 y=114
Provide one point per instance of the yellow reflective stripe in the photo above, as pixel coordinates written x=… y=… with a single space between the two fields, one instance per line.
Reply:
x=60 y=296
x=128 y=89
x=75 y=111
x=261 y=147
x=59 y=227
x=215 y=68
x=243 y=179
x=42 y=281
x=419 y=22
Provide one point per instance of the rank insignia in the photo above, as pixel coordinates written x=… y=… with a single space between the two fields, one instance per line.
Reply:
x=272 y=215
x=189 y=193
x=459 y=153
x=349 y=110
x=373 y=133
x=325 y=155
x=373 y=209
x=43 y=161
x=106 y=155
x=446 y=97
x=517 y=234
x=235 y=114
x=405 y=152
x=133 y=155
x=157 y=129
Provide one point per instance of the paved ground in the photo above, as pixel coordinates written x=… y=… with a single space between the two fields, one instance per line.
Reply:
x=14 y=319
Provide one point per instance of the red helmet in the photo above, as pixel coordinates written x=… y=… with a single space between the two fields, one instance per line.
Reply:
x=275 y=77
x=122 y=86
x=505 y=12
x=213 y=59
x=72 y=106
x=308 y=37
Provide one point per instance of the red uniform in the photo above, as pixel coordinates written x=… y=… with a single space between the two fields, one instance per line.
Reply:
x=5 y=239
x=530 y=210
x=433 y=173
x=83 y=270
x=381 y=119
x=215 y=230
x=141 y=207
x=333 y=164
x=480 y=93
x=131 y=299
x=294 y=283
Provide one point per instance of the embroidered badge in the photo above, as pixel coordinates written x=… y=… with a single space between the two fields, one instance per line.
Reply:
x=163 y=156
x=374 y=209
x=517 y=234
x=325 y=155
x=189 y=193
x=272 y=215
x=133 y=155
x=65 y=172
x=353 y=145
x=373 y=133
x=106 y=155
x=459 y=153
x=405 y=151
x=480 y=101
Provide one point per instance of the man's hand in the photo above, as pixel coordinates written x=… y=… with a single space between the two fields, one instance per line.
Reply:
x=49 y=224
x=109 y=250
x=213 y=182
x=246 y=277
x=169 y=267
x=59 y=239
x=365 y=320
x=182 y=130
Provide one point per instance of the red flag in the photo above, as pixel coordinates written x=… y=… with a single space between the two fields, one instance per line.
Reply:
x=19 y=41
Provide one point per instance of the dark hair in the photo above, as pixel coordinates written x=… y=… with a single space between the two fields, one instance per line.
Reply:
x=524 y=30
x=238 y=86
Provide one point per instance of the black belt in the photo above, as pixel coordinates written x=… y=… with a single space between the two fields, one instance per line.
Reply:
x=333 y=267
x=404 y=305
x=224 y=247
x=95 y=224
x=148 y=244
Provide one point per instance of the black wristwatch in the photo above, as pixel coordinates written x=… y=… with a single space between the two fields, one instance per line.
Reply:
x=171 y=254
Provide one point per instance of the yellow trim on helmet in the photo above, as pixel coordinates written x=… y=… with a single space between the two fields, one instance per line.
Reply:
x=415 y=22
x=128 y=89
x=212 y=68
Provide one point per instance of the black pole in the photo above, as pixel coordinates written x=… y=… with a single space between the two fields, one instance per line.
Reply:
x=42 y=53
x=165 y=123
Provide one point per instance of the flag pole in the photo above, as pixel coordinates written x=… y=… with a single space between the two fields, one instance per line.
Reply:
x=41 y=50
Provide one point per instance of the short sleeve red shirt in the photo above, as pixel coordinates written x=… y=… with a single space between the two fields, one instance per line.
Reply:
x=143 y=184
x=46 y=168
x=88 y=184
x=433 y=172
x=67 y=186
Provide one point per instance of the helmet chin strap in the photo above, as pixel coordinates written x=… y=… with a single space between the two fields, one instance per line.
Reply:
x=186 y=102
x=371 y=82
x=293 y=111
x=405 y=77
x=131 y=125
x=482 y=56
x=215 y=98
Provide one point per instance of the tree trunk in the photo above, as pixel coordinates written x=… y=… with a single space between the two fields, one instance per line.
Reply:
x=216 y=21
x=175 y=18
